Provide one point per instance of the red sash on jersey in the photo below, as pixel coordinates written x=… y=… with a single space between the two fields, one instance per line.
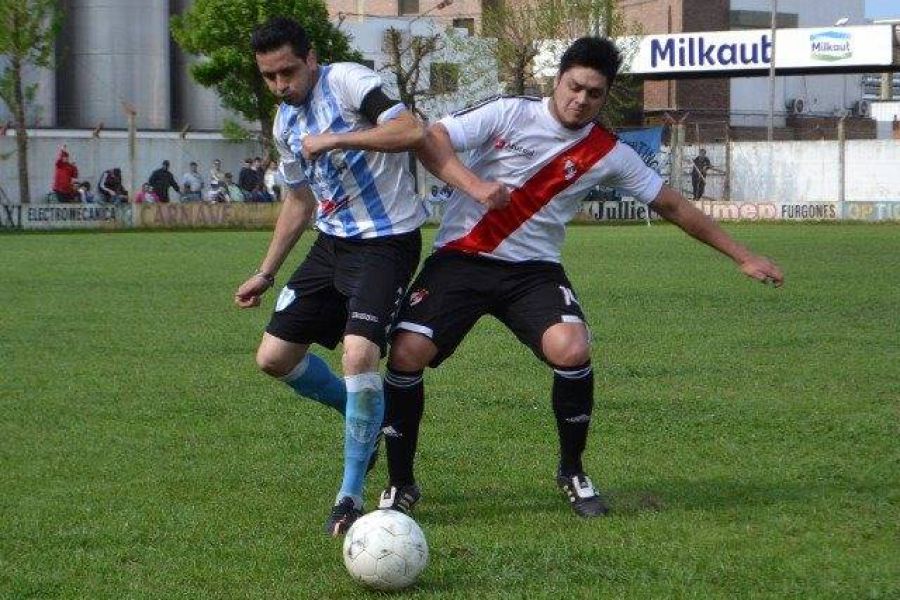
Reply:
x=554 y=177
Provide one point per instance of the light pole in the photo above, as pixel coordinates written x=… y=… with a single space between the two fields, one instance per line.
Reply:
x=771 y=126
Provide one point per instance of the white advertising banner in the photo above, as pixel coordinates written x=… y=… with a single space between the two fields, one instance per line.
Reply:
x=74 y=216
x=808 y=49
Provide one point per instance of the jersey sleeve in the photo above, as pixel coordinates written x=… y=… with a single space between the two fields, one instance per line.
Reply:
x=289 y=166
x=633 y=176
x=352 y=82
x=473 y=127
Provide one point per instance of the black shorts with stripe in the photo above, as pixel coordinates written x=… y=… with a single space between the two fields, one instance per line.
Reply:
x=346 y=286
x=453 y=290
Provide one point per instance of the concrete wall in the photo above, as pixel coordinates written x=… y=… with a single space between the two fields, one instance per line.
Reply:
x=94 y=155
x=803 y=171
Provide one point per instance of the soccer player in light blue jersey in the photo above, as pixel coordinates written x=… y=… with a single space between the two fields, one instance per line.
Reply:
x=342 y=144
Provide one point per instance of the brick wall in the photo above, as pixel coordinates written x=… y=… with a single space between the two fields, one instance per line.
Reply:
x=390 y=8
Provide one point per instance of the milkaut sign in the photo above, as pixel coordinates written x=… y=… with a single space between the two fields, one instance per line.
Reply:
x=829 y=49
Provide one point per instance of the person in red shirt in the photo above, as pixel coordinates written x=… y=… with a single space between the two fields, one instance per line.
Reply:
x=64 y=177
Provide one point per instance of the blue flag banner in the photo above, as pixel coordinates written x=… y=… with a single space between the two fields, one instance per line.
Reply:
x=645 y=142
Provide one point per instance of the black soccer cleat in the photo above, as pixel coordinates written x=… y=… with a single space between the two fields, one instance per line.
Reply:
x=584 y=499
x=401 y=498
x=374 y=457
x=343 y=514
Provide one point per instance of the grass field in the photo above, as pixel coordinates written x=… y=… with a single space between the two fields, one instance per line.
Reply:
x=747 y=437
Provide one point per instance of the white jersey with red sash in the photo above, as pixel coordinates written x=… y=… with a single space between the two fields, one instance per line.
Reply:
x=549 y=170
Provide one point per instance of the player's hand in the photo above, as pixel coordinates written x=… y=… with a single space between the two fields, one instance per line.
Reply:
x=492 y=194
x=314 y=145
x=249 y=293
x=763 y=270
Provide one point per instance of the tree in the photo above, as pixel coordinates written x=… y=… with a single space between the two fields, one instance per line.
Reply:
x=27 y=31
x=407 y=54
x=220 y=30
x=532 y=34
x=460 y=69
x=518 y=28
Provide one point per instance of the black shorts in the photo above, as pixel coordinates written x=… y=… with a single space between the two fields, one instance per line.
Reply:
x=454 y=290
x=346 y=286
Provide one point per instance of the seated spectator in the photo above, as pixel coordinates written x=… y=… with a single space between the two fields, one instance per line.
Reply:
x=233 y=192
x=85 y=195
x=192 y=185
x=110 y=187
x=65 y=175
x=146 y=195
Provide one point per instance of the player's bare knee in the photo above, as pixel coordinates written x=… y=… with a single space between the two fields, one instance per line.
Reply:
x=360 y=355
x=570 y=356
x=410 y=352
x=272 y=364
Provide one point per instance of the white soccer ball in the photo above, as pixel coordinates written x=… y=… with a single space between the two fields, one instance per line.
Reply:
x=385 y=550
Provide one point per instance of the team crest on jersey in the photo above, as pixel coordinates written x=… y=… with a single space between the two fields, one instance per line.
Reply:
x=570 y=170
x=330 y=206
x=417 y=296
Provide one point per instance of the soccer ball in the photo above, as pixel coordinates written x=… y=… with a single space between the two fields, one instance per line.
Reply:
x=385 y=550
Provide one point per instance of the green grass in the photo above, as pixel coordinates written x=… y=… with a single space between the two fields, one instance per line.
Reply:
x=747 y=437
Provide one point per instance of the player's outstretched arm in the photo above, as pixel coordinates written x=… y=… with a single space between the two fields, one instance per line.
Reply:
x=296 y=212
x=673 y=207
x=400 y=133
x=437 y=154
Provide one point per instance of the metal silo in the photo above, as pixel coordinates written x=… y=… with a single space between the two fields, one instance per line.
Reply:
x=193 y=105
x=110 y=53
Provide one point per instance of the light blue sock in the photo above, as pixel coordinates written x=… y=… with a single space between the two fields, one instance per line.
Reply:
x=365 y=411
x=312 y=378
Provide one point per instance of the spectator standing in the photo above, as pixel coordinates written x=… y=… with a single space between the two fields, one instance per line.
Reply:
x=64 y=175
x=249 y=180
x=110 y=186
x=161 y=180
x=270 y=181
x=216 y=179
x=701 y=166
x=260 y=193
x=192 y=185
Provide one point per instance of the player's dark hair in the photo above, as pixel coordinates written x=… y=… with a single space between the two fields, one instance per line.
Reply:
x=278 y=32
x=595 y=53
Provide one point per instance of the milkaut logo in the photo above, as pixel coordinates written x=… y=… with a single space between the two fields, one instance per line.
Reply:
x=830 y=45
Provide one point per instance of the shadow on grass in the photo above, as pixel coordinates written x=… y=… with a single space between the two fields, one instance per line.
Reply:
x=446 y=507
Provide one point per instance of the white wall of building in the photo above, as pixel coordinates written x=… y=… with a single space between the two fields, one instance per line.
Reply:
x=824 y=94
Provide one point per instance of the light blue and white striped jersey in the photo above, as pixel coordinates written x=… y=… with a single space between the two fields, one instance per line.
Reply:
x=361 y=194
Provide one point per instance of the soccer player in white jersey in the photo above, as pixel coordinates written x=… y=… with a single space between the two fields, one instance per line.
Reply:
x=340 y=138
x=506 y=262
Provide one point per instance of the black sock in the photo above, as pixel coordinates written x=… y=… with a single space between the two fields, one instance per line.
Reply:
x=573 y=402
x=404 y=395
